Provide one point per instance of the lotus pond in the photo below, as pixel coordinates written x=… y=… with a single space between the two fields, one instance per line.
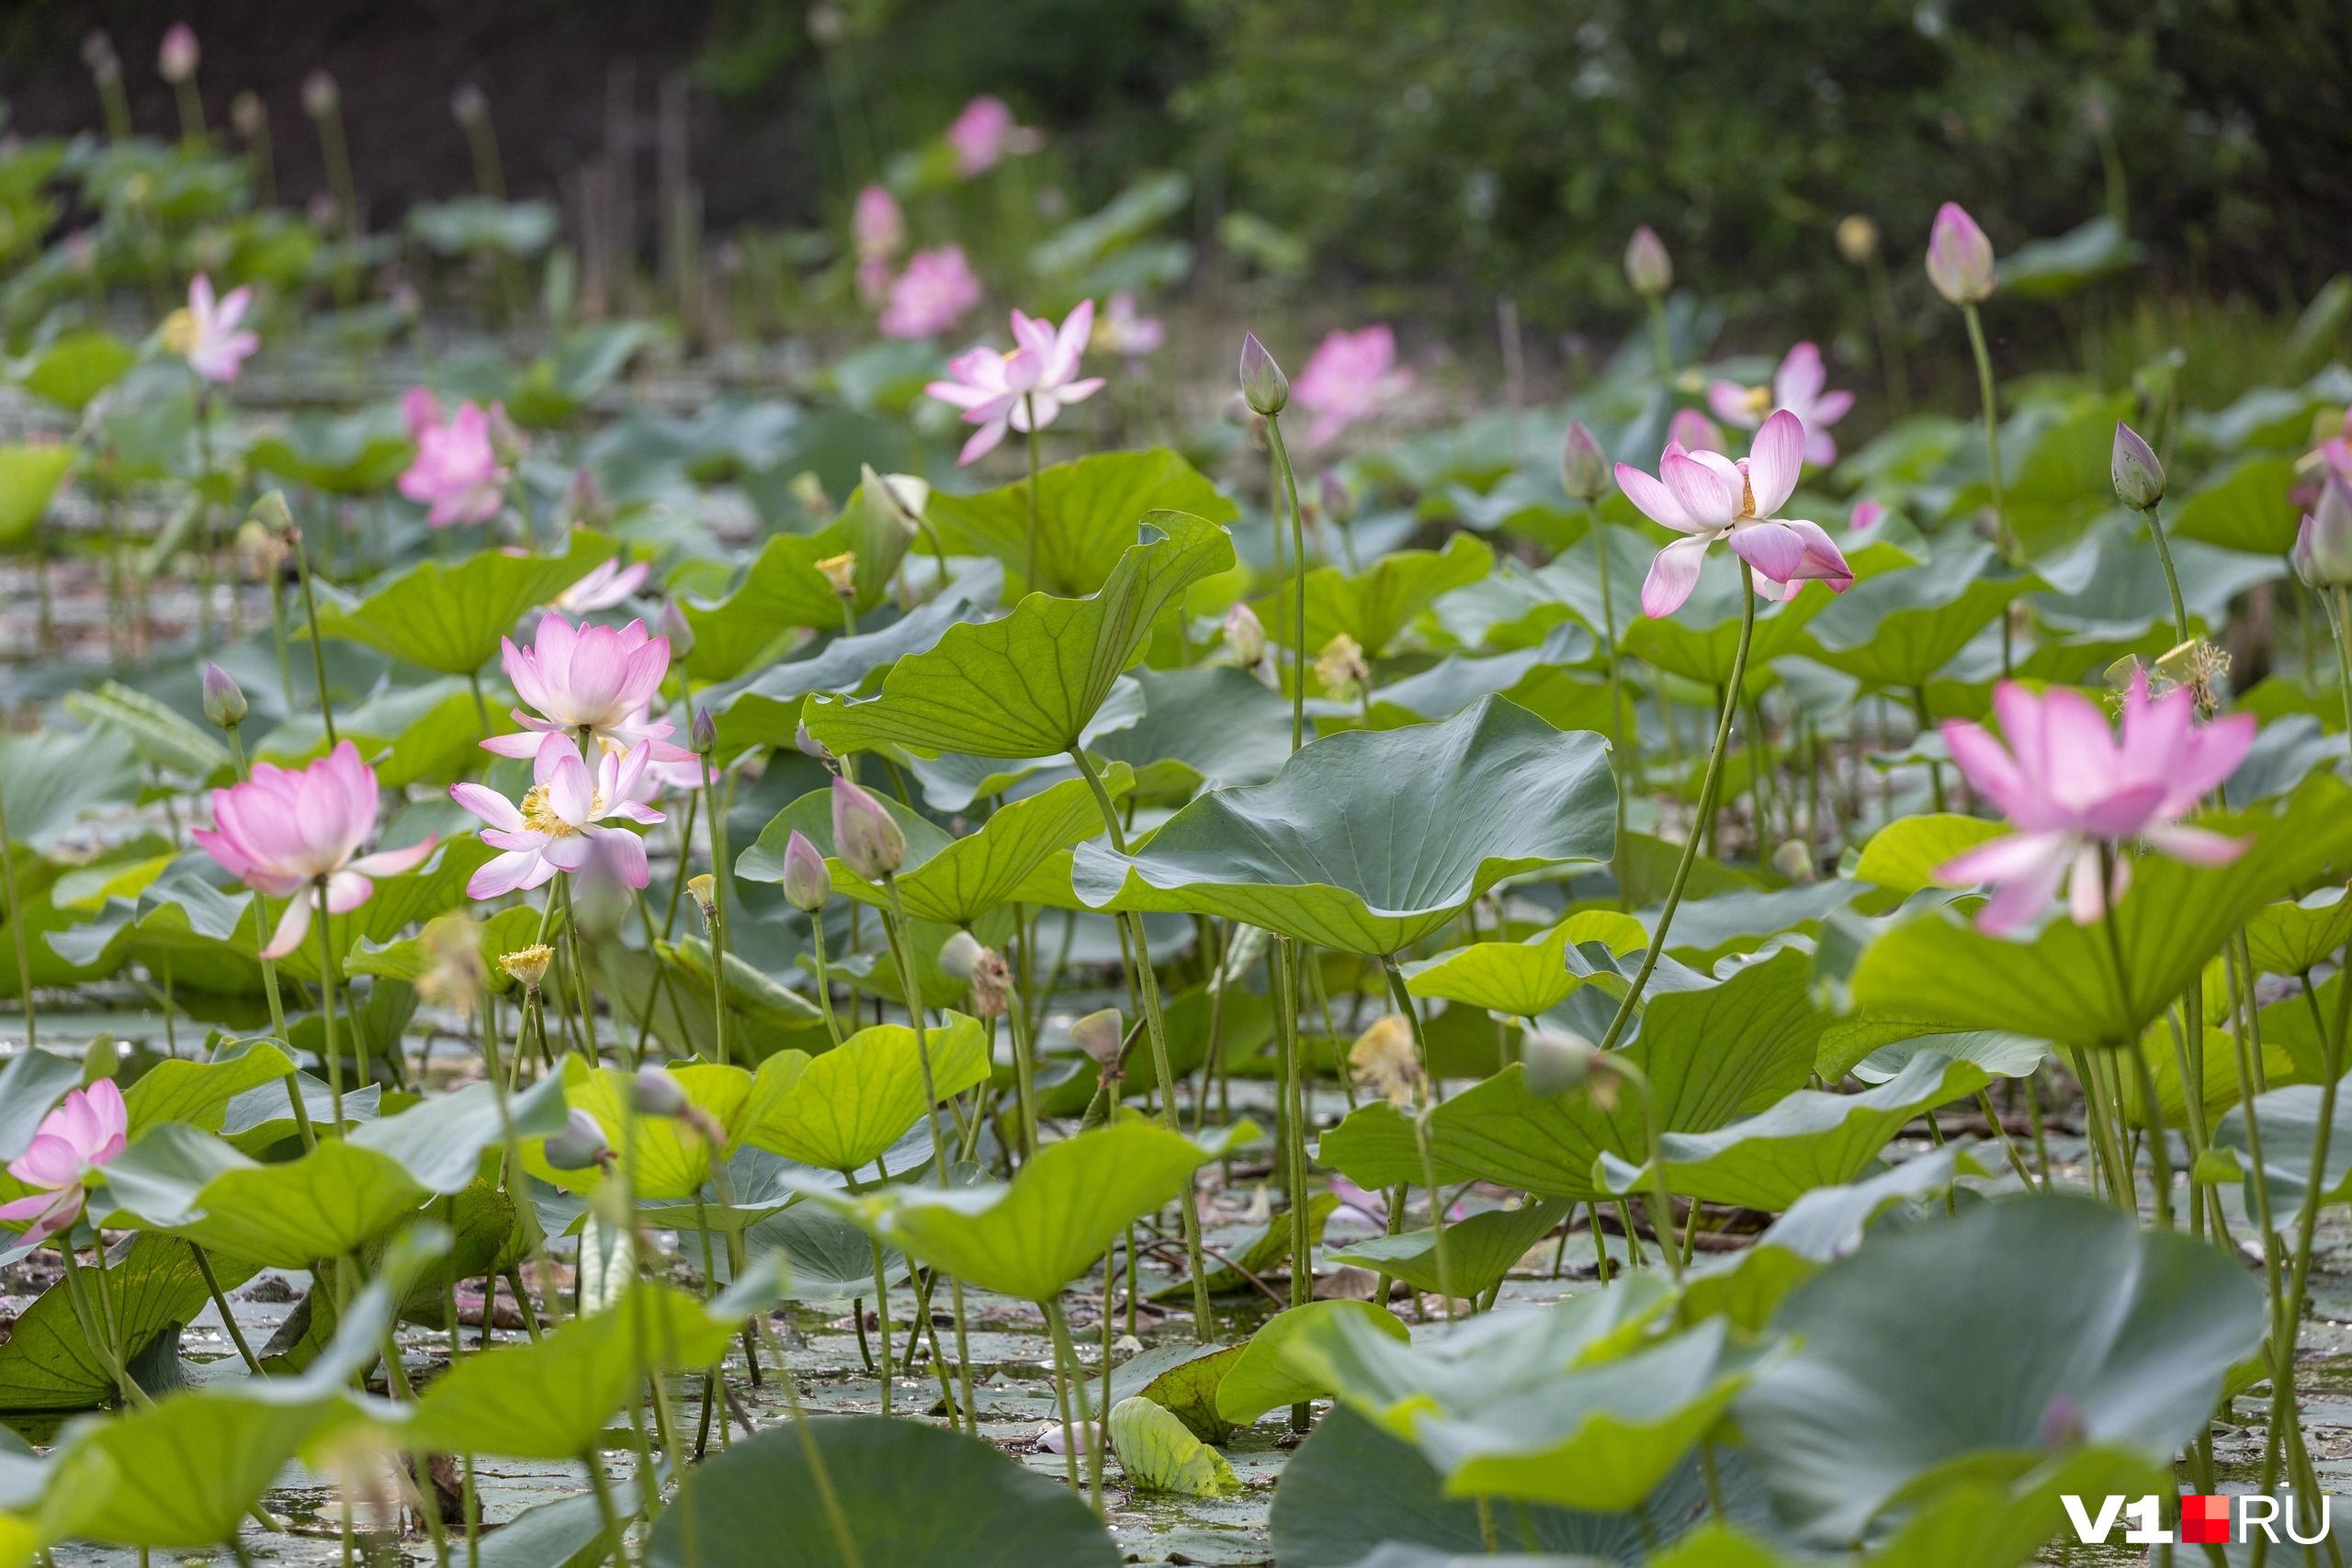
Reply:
x=936 y=950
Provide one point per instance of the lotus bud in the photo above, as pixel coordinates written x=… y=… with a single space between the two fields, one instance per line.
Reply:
x=958 y=953
x=271 y=513
x=2323 y=543
x=98 y=53
x=507 y=442
x=828 y=24
x=1101 y=1036
x=1857 y=239
x=2138 y=476
x=840 y=570
x=808 y=490
x=910 y=492
x=528 y=966
x=1338 y=501
x=704 y=732
x=1264 y=386
x=1959 y=258
x=1245 y=635
x=810 y=745
x=1556 y=1064
x=175 y=61
x=583 y=500
x=1648 y=266
x=867 y=838
x=1341 y=667
x=320 y=96
x=580 y=1143
x=991 y=984
x=1793 y=860
x=808 y=886
x=669 y=624
x=224 y=703
x=468 y=106
x=1584 y=466
x=2062 y=1426
x=704 y=892
x=655 y=1092
x=249 y=115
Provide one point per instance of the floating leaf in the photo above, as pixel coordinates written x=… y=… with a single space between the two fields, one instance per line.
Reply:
x=1086 y=515
x=1159 y=1453
x=449 y=617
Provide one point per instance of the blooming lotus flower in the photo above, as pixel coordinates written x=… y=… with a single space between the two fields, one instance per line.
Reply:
x=1796 y=387
x=285 y=830
x=205 y=333
x=984 y=132
x=602 y=588
x=558 y=826
x=1351 y=376
x=1694 y=431
x=589 y=683
x=932 y=295
x=1709 y=497
x=1126 y=331
x=1007 y=391
x=79 y=1136
x=2073 y=792
x=455 y=474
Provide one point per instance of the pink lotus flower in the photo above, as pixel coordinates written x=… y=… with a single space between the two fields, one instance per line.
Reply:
x=932 y=295
x=75 y=1139
x=557 y=827
x=602 y=588
x=1867 y=515
x=1796 y=388
x=1006 y=391
x=1694 y=431
x=283 y=831
x=589 y=683
x=205 y=334
x=877 y=225
x=1126 y=331
x=984 y=132
x=1352 y=376
x=1709 y=497
x=1959 y=257
x=455 y=473
x=2072 y=793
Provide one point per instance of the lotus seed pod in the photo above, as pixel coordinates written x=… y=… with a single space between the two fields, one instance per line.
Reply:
x=1100 y=1035
x=958 y=953
x=1648 y=266
x=528 y=966
x=704 y=890
x=1263 y=385
x=1959 y=258
x=1584 y=466
x=1556 y=1064
x=1245 y=635
x=1857 y=239
x=865 y=837
x=224 y=702
x=2139 y=475
x=808 y=886
x=580 y=1143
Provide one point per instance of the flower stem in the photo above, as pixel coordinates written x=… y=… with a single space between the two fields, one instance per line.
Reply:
x=715 y=809
x=1616 y=702
x=318 y=649
x=326 y=1010
x=1403 y=1000
x=1029 y=411
x=1661 y=340
x=824 y=985
x=1067 y=1353
x=2290 y=1308
x=229 y=1319
x=16 y=925
x=2172 y=578
x=1298 y=574
x=1293 y=1091
x=1992 y=431
x=1707 y=794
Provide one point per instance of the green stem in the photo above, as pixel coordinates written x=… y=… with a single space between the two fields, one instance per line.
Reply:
x=2290 y=1309
x=1616 y=703
x=229 y=1319
x=1298 y=574
x=1661 y=340
x=824 y=987
x=1707 y=794
x=326 y=1009
x=317 y=647
x=1067 y=1353
x=1294 y=1089
x=1992 y=431
x=2171 y=577
x=1029 y=577
x=16 y=924
x=1661 y=1192
x=721 y=872
x=1403 y=1000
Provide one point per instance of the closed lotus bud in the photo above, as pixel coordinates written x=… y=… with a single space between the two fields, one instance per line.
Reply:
x=224 y=702
x=1338 y=501
x=1959 y=258
x=2138 y=476
x=467 y=105
x=1857 y=239
x=528 y=966
x=271 y=513
x=1245 y=635
x=98 y=53
x=655 y=1092
x=991 y=984
x=249 y=115
x=1556 y=1064
x=320 y=95
x=958 y=953
x=507 y=442
x=2323 y=543
x=1793 y=860
x=671 y=624
x=1648 y=266
x=580 y=1143
x=840 y=570
x=867 y=838
x=704 y=732
x=703 y=889
x=810 y=745
x=828 y=24
x=175 y=61
x=808 y=886
x=1264 y=386
x=1101 y=1036
x=1584 y=466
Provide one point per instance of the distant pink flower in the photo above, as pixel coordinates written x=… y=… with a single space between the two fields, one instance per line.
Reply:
x=286 y=830
x=1004 y=392
x=1867 y=515
x=2071 y=790
x=1126 y=331
x=932 y=295
x=1707 y=497
x=79 y=1136
x=559 y=825
x=589 y=683
x=985 y=132
x=1694 y=431
x=877 y=227
x=455 y=474
x=1352 y=376
x=608 y=584
x=205 y=333
x=176 y=58
x=1796 y=388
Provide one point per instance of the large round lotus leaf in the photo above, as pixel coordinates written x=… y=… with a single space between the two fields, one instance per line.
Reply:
x=1368 y=840
x=450 y=618
x=1086 y=516
x=1968 y=1343
x=914 y=1495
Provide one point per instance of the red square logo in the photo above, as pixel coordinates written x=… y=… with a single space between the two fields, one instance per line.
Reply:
x=2204 y=1519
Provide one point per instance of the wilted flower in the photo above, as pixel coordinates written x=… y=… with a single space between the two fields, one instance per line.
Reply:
x=1245 y=635
x=1707 y=497
x=1648 y=266
x=991 y=984
x=1122 y=330
x=1351 y=376
x=561 y=819
x=205 y=333
x=176 y=59
x=808 y=886
x=1959 y=258
x=841 y=571
x=2138 y=476
x=455 y=474
x=1584 y=466
x=284 y=829
x=2324 y=540
x=224 y=702
x=1101 y=1035
x=1023 y=390
x=1694 y=431
x=984 y=132
x=1796 y=387
x=867 y=838
x=1383 y=1060
x=528 y=966
x=591 y=683
x=1264 y=386
x=1341 y=667
x=580 y=1143
x=932 y=295
x=1856 y=238
x=607 y=584
x=2074 y=793
x=81 y=1136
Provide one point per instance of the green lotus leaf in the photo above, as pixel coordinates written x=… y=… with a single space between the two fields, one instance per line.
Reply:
x=159 y=733
x=1264 y=1379
x=198 y=1092
x=2289 y=1119
x=847 y=1107
x=1182 y=1380
x=324 y=1205
x=1455 y=682
x=1706 y=930
x=77 y=368
x=1258 y=1253
x=912 y=1493
x=2066 y=1309
x=352 y=454
x=1026 y=686
x=1478 y=1250
x=49 y=778
x=566 y=1533
x=440 y=1142
x=1367 y=842
x=1377 y=605
x=1698 y=641
x=2220 y=1069
x=32 y=1084
x=1900 y=628
x=1159 y=1453
x=1087 y=513
x=763 y=1016
x=48 y=1364
x=29 y=477
x=449 y=617
x=428 y=733
x=1941 y=975
x=507 y=932
x=2290 y=938
x=1902 y=857
x=668 y=1157
x=1212 y=725
x=782 y=590
x=433 y=888
x=1523 y=979
x=826 y=1258
x=2245 y=506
